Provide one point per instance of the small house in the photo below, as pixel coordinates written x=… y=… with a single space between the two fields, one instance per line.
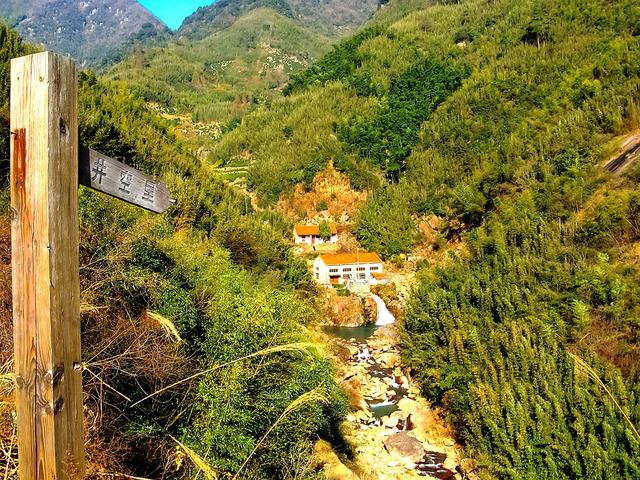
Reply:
x=310 y=235
x=345 y=268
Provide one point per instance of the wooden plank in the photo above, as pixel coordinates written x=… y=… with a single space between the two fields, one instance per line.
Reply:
x=46 y=290
x=99 y=172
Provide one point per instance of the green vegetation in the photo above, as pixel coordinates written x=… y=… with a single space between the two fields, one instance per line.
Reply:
x=193 y=321
x=387 y=137
x=324 y=229
x=329 y=17
x=339 y=64
x=11 y=46
x=224 y=74
x=528 y=335
x=289 y=142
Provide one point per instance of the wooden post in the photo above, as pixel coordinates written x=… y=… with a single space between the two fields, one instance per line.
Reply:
x=46 y=291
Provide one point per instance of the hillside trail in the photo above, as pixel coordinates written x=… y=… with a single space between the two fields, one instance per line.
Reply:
x=394 y=432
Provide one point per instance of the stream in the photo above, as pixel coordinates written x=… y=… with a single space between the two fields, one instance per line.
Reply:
x=375 y=368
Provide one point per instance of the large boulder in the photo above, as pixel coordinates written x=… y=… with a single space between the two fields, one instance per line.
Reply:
x=405 y=445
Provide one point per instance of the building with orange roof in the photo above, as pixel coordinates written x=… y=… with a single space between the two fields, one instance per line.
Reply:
x=346 y=268
x=310 y=235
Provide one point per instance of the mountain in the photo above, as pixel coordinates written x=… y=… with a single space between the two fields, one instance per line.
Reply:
x=222 y=75
x=88 y=30
x=480 y=132
x=232 y=56
x=328 y=17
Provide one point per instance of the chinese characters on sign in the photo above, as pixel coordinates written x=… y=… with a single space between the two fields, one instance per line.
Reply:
x=149 y=191
x=99 y=170
x=114 y=178
x=125 y=181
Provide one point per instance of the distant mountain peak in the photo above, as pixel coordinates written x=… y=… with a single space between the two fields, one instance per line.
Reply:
x=328 y=17
x=87 y=30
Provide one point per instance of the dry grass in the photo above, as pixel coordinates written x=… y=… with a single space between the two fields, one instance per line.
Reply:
x=8 y=449
x=123 y=355
x=198 y=461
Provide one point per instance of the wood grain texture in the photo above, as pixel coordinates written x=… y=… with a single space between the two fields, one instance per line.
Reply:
x=46 y=291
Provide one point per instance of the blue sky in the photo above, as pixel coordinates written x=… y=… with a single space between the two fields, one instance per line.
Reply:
x=173 y=12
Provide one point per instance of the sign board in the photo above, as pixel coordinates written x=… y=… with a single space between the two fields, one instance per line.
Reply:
x=106 y=175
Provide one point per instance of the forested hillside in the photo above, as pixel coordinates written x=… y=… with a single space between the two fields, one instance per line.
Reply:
x=195 y=353
x=327 y=17
x=222 y=75
x=494 y=118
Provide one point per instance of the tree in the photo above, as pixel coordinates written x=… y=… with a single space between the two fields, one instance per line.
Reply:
x=324 y=230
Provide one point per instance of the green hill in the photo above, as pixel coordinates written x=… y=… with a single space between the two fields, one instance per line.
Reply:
x=495 y=118
x=327 y=17
x=221 y=76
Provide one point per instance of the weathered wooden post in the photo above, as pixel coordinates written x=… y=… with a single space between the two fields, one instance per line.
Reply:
x=46 y=287
x=47 y=164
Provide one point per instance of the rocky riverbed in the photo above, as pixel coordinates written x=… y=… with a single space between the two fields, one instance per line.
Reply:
x=394 y=432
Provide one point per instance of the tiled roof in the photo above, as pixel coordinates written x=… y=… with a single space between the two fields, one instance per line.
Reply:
x=350 y=258
x=302 y=230
x=379 y=275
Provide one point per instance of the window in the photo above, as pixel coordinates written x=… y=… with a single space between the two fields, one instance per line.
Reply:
x=361 y=269
x=375 y=268
x=362 y=276
x=346 y=269
x=333 y=270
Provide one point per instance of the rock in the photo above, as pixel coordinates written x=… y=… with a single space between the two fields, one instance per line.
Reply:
x=400 y=415
x=345 y=311
x=389 y=360
x=390 y=422
x=450 y=463
x=353 y=388
x=361 y=416
x=407 y=405
x=404 y=445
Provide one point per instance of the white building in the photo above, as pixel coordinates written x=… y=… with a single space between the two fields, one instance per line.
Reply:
x=342 y=268
x=310 y=235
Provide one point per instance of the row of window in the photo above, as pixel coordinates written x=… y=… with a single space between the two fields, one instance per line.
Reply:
x=374 y=268
x=358 y=269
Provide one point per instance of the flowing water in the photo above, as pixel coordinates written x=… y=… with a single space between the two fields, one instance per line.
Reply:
x=359 y=336
x=385 y=317
x=432 y=462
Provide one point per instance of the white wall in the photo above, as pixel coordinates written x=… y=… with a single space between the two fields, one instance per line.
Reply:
x=323 y=273
x=307 y=239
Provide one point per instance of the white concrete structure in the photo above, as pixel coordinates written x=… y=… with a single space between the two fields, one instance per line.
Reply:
x=310 y=235
x=345 y=268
